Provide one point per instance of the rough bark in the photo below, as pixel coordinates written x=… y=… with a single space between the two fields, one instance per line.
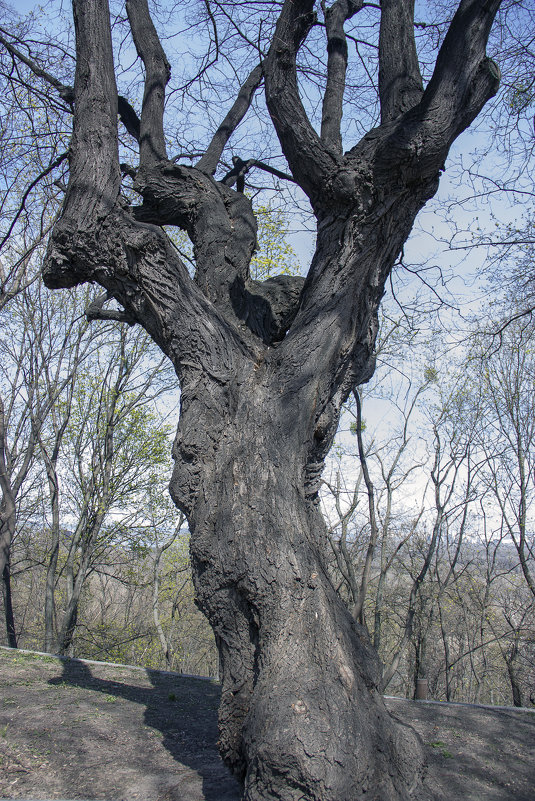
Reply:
x=264 y=369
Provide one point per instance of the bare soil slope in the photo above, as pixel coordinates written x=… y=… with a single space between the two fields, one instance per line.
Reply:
x=78 y=730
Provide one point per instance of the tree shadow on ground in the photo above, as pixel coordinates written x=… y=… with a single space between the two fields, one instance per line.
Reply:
x=183 y=710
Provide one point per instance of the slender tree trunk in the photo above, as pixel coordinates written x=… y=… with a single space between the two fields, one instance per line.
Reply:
x=50 y=583
x=8 y=606
x=8 y=518
x=513 y=674
x=164 y=643
x=358 y=612
x=378 y=614
x=7 y=529
x=446 y=646
x=420 y=667
x=74 y=591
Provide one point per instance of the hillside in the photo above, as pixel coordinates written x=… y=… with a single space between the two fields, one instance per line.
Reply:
x=73 y=729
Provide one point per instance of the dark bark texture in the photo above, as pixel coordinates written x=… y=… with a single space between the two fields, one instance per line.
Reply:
x=265 y=367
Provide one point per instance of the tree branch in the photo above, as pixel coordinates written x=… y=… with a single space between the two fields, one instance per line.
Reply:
x=94 y=174
x=241 y=168
x=129 y=118
x=94 y=162
x=309 y=160
x=157 y=74
x=65 y=92
x=96 y=311
x=464 y=78
x=331 y=116
x=400 y=81
x=127 y=114
x=414 y=150
x=52 y=166
x=209 y=161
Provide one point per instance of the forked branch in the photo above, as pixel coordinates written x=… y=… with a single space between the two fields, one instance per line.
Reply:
x=464 y=78
x=309 y=159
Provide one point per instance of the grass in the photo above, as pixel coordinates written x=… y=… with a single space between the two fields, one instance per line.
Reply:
x=440 y=746
x=24 y=658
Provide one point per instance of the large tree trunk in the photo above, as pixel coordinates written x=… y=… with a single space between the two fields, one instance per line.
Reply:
x=299 y=675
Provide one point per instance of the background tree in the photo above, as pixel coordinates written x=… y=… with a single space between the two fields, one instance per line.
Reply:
x=509 y=437
x=39 y=365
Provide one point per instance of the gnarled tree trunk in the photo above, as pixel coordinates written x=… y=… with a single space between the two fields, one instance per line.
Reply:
x=265 y=367
x=301 y=715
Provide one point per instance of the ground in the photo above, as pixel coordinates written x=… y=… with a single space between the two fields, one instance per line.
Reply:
x=79 y=730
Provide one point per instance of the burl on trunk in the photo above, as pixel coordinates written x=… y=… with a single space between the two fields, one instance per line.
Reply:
x=264 y=367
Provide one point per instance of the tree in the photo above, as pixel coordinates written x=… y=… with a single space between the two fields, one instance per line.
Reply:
x=39 y=366
x=265 y=366
x=507 y=375
x=112 y=451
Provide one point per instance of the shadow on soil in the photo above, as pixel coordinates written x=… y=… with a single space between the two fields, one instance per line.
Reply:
x=189 y=728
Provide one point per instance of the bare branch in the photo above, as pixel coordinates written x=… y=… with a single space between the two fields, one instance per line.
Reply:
x=129 y=118
x=157 y=74
x=400 y=81
x=65 y=92
x=127 y=114
x=241 y=168
x=331 y=117
x=52 y=166
x=96 y=311
x=309 y=160
x=208 y=163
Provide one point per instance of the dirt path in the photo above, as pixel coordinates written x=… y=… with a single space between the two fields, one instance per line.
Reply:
x=70 y=729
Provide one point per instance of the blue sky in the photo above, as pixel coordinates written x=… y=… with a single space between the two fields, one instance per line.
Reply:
x=23 y=6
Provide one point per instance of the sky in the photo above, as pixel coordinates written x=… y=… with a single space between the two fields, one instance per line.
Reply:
x=24 y=6
x=432 y=232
